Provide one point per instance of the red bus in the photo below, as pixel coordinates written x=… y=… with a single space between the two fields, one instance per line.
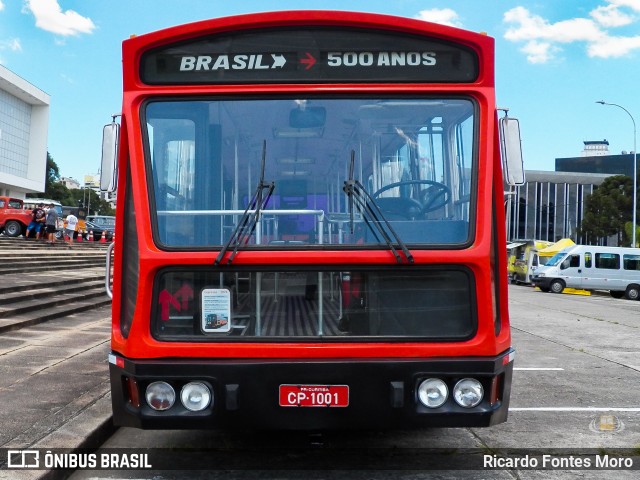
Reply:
x=310 y=226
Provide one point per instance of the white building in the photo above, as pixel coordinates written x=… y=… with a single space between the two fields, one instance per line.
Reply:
x=24 y=126
x=595 y=148
x=70 y=183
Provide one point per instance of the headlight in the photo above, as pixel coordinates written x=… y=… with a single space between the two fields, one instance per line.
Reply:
x=195 y=396
x=433 y=392
x=468 y=392
x=160 y=396
x=539 y=275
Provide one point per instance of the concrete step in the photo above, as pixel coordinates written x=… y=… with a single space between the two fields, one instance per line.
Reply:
x=44 y=265
x=16 y=297
x=32 y=281
x=79 y=305
x=48 y=301
x=19 y=243
x=39 y=282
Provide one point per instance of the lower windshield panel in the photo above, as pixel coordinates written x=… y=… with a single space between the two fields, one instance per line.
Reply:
x=437 y=304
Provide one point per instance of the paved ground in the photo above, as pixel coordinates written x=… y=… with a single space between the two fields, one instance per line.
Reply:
x=54 y=388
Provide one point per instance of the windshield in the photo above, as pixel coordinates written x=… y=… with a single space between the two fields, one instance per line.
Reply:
x=556 y=259
x=412 y=159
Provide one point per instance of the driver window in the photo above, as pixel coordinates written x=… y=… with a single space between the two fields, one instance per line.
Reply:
x=572 y=261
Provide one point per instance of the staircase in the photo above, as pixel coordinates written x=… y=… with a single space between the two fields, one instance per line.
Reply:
x=39 y=282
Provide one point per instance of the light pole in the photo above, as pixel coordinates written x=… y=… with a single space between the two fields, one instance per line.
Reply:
x=635 y=170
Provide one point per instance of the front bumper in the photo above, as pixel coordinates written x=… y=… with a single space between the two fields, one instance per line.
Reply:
x=382 y=392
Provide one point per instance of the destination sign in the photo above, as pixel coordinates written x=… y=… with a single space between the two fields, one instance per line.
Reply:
x=310 y=56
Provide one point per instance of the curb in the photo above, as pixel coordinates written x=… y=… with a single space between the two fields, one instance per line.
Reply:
x=88 y=430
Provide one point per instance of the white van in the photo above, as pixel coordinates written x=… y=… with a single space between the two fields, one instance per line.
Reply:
x=616 y=269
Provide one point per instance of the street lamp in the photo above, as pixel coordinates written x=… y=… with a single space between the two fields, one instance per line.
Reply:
x=635 y=170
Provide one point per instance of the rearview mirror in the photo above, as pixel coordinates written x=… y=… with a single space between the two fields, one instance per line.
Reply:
x=108 y=165
x=308 y=117
x=511 y=150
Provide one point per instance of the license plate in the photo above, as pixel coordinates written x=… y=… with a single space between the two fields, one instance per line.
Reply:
x=314 y=395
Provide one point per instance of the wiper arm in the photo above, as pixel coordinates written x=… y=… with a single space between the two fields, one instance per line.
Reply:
x=250 y=217
x=371 y=214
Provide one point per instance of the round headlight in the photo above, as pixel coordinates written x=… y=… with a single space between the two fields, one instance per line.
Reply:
x=432 y=392
x=160 y=396
x=195 y=396
x=468 y=392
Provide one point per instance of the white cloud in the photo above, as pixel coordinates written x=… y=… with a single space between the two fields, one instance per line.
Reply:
x=1 y=5
x=539 y=52
x=611 y=16
x=443 y=16
x=12 y=44
x=614 y=47
x=632 y=4
x=542 y=38
x=50 y=17
x=533 y=27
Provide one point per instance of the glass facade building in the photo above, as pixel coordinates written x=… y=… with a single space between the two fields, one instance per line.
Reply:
x=550 y=205
x=24 y=124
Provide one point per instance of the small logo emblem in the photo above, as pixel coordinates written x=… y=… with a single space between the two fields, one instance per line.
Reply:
x=23 y=459
x=606 y=424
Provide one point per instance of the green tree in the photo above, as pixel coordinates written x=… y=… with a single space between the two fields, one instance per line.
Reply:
x=607 y=210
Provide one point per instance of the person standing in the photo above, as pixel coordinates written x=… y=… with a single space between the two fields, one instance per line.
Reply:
x=51 y=221
x=70 y=229
x=37 y=221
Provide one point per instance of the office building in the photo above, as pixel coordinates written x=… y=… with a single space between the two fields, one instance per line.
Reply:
x=24 y=125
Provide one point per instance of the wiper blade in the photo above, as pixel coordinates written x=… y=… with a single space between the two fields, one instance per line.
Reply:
x=372 y=215
x=250 y=217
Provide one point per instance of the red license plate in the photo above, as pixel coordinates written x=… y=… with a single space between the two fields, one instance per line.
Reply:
x=314 y=395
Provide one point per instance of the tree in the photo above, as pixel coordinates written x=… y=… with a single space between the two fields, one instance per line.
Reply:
x=607 y=210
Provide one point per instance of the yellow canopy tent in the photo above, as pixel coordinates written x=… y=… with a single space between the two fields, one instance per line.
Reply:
x=548 y=252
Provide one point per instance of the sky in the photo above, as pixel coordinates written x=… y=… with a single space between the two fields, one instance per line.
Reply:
x=554 y=60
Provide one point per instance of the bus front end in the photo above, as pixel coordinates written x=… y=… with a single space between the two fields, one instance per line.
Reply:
x=310 y=227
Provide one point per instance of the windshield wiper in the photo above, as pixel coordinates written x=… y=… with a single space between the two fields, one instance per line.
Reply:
x=251 y=215
x=372 y=215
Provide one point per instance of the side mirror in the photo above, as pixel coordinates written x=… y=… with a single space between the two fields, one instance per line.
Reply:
x=511 y=150
x=109 y=166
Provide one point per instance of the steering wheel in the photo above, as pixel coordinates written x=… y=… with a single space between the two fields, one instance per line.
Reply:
x=432 y=198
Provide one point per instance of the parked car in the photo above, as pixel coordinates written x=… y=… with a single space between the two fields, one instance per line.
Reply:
x=102 y=220
x=13 y=218
x=97 y=231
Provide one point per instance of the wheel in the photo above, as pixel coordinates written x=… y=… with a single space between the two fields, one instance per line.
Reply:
x=632 y=292
x=12 y=228
x=557 y=286
x=432 y=198
x=514 y=279
x=59 y=234
x=616 y=294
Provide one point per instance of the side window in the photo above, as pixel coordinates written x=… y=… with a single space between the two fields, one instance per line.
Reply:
x=575 y=261
x=570 y=262
x=631 y=262
x=15 y=204
x=1 y=203
x=609 y=261
x=587 y=259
